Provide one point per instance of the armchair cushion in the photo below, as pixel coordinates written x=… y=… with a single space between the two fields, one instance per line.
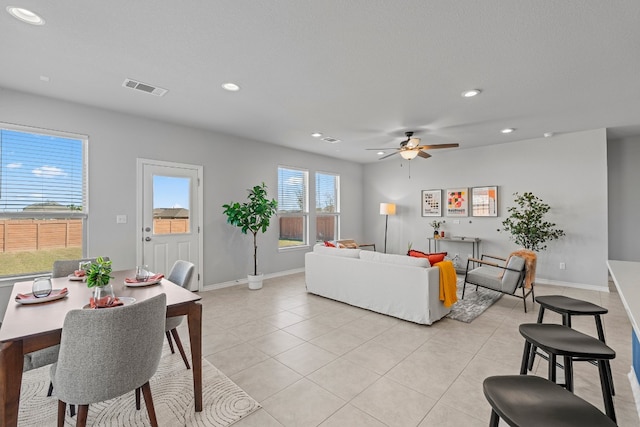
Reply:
x=496 y=278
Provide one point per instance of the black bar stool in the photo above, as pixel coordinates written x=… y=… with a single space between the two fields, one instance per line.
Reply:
x=560 y=340
x=567 y=307
x=529 y=401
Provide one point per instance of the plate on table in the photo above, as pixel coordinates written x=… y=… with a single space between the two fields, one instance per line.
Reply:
x=75 y=278
x=125 y=301
x=55 y=295
x=145 y=283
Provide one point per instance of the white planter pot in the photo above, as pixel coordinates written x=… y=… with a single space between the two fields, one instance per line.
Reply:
x=255 y=282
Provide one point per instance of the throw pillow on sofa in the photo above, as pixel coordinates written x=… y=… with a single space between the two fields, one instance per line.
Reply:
x=394 y=259
x=320 y=248
x=433 y=258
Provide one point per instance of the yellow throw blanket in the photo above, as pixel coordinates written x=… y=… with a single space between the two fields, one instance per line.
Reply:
x=448 y=283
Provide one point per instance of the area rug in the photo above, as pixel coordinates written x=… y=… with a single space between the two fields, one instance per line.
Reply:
x=224 y=402
x=474 y=303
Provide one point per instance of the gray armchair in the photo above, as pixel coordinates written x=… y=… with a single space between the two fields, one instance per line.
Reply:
x=180 y=274
x=107 y=353
x=502 y=275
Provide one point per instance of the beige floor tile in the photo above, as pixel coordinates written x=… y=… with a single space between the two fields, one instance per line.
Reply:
x=308 y=329
x=283 y=319
x=365 y=328
x=466 y=395
x=306 y=358
x=236 y=359
x=442 y=415
x=276 y=342
x=375 y=357
x=338 y=342
x=302 y=404
x=393 y=403
x=343 y=378
x=213 y=343
x=260 y=418
x=402 y=339
x=265 y=379
x=350 y=416
x=252 y=330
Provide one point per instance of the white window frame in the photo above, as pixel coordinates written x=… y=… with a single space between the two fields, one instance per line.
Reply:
x=83 y=214
x=304 y=213
x=336 y=213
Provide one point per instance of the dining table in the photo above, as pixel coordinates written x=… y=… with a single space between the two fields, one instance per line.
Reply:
x=30 y=327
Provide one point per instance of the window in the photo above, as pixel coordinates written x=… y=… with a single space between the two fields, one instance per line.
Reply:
x=327 y=206
x=43 y=198
x=293 y=211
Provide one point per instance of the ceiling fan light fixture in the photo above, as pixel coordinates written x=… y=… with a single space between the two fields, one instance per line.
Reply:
x=413 y=142
x=231 y=87
x=471 y=93
x=409 y=154
x=508 y=130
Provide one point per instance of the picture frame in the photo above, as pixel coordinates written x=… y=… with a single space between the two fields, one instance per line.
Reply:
x=458 y=202
x=431 y=202
x=484 y=201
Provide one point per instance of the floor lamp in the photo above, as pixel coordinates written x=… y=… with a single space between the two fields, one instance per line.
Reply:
x=387 y=209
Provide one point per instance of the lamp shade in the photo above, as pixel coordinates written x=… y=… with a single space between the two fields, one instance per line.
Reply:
x=387 y=208
x=409 y=154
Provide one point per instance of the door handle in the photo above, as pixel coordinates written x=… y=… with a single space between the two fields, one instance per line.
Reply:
x=147 y=229
x=147 y=239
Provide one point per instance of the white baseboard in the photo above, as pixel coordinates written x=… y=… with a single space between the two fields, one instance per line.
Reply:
x=635 y=388
x=573 y=285
x=244 y=281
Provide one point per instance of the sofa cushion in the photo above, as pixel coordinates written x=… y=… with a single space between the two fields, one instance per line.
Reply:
x=433 y=258
x=345 y=253
x=329 y=244
x=394 y=259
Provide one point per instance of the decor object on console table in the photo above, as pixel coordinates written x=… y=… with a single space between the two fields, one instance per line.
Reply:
x=474 y=241
x=387 y=209
x=253 y=216
x=526 y=223
x=436 y=226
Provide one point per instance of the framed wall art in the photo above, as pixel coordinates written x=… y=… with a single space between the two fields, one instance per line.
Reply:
x=431 y=202
x=484 y=201
x=458 y=202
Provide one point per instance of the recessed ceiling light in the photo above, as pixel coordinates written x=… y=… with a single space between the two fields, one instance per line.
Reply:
x=548 y=134
x=316 y=134
x=25 y=15
x=380 y=153
x=45 y=78
x=231 y=87
x=471 y=93
x=508 y=130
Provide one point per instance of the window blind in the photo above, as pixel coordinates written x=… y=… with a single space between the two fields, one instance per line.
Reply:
x=292 y=190
x=41 y=173
x=327 y=193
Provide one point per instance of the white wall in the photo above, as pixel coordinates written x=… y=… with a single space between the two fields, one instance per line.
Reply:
x=568 y=171
x=624 y=199
x=231 y=165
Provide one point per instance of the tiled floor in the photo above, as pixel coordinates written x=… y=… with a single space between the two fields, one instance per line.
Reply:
x=312 y=361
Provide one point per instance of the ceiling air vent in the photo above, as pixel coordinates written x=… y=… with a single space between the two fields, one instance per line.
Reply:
x=331 y=140
x=153 y=90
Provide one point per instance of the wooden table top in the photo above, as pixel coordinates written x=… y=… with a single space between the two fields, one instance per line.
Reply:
x=21 y=321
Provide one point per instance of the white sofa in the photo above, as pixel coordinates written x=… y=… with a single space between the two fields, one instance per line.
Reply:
x=396 y=285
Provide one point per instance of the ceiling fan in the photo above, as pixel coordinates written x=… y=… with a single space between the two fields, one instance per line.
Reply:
x=411 y=148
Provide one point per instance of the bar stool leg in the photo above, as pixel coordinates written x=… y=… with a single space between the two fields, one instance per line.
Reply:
x=495 y=419
x=600 y=330
x=603 y=366
x=568 y=373
x=532 y=356
x=525 y=357
x=552 y=367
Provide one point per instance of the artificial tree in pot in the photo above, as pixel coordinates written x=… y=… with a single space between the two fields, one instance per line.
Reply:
x=252 y=216
x=527 y=225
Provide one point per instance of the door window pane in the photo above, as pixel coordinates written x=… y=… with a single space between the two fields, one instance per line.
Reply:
x=171 y=202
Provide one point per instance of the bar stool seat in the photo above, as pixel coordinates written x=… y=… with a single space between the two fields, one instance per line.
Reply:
x=560 y=340
x=524 y=401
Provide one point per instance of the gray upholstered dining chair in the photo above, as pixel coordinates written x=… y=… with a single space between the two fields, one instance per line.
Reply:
x=107 y=353
x=180 y=274
x=63 y=268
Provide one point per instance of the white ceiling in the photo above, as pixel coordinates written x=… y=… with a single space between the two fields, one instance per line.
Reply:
x=362 y=71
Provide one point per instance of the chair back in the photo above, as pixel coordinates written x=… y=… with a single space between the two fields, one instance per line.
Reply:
x=511 y=280
x=108 y=352
x=63 y=268
x=181 y=273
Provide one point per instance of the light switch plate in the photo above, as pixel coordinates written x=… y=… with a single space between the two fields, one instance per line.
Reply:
x=121 y=219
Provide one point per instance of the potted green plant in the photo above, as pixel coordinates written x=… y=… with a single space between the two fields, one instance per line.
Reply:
x=436 y=226
x=98 y=277
x=252 y=216
x=527 y=225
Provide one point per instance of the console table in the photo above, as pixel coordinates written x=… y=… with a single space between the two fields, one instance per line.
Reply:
x=474 y=241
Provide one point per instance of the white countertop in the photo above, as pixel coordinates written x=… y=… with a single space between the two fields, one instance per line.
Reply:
x=626 y=276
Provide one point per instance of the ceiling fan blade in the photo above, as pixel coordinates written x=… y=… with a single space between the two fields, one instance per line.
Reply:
x=431 y=147
x=424 y=155
x=388 y=155
x=382 y=149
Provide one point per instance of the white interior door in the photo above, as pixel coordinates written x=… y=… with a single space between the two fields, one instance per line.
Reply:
x=169 y=217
